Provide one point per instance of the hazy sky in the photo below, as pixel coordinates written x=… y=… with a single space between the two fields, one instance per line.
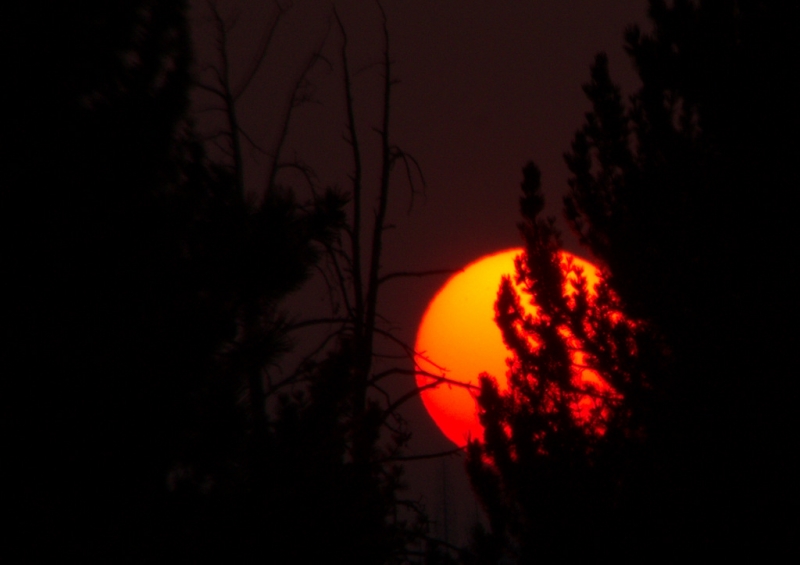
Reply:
x=483 y=88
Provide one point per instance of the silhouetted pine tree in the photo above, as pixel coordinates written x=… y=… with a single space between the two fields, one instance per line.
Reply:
x=682 y=193
x=135 y=263
x=335 y=473
x=555 y=446
x=147 y=295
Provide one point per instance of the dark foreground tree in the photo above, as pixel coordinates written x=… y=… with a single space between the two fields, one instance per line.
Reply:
x=135 y=261
x=338 y=439
x=147 y=317
x=558 y=442
x=682 y=195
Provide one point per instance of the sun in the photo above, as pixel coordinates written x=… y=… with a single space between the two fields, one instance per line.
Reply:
x=458 y=339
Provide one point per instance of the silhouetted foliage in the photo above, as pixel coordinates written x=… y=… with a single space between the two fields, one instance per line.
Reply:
x=681 y=193
x=147 y=313
x=558 y=442
x=338 y=437
x=138 y=261
x=313 y=469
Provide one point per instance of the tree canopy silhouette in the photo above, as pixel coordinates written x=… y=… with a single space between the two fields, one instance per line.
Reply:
x=138 y=259
x=558 y=441
x=149 y=314
x=680 y=193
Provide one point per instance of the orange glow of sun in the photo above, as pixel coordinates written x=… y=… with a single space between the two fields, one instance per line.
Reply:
x=458 y=339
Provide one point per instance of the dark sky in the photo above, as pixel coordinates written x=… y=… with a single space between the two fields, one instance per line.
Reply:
x=484 y=87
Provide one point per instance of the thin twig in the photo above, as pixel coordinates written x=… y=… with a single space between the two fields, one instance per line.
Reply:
x=417 y=274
